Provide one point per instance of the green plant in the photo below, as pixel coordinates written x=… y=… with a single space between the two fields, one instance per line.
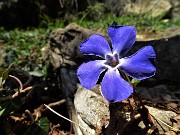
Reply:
x=93 y=12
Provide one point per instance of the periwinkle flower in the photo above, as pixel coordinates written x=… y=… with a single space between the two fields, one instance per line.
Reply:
x=139 y=65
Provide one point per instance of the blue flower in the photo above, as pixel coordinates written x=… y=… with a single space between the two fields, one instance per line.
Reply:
x=139 y=65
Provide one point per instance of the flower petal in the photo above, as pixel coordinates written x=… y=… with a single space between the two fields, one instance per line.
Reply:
x=88 y=73
x=122 y=38
x=114 y=88
x=139 y=65
x=95 y=45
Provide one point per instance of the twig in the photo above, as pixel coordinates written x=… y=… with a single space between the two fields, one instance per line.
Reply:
x=21 y=91
x=57 y=103
x=25 y=74
x=38 y=111
x=61 y=4
x=31 y=116
x=4 y=99
x=20 y=83
x=65 y=118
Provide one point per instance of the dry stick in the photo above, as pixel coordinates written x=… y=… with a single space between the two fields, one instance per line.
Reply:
x=15 y=95
x=31 y=116
x=57 y=103
x=174 y=129
x=20 y=83
x=21 y=91
x=65 y=118
x=61 y=4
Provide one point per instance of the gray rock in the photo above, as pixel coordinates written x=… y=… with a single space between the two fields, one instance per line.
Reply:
x=160 y=117
x=92 y=107
x=68 y=81
x=175 y=9
x=158 y=93
x=153 y=8
x=67 y=42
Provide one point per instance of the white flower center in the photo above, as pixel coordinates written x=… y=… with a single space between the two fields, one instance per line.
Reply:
x=112 y=60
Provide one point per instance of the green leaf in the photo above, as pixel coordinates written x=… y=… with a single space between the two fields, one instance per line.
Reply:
x=134 y=82
x=10 y=106
x=40 y=127
x=2 y=110
x=1 y=81
x=43 y=123
x=36 y=73
x=4 y=72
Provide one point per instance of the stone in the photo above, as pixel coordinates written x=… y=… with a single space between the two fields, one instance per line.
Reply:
x=92 y=107
x=158 y=93
x=117 y=6
x=170 y=133
x=68 y=81
x=161 y=115
x=175 y=9
x=67 y=42
x=176 y=122
x=153 y=8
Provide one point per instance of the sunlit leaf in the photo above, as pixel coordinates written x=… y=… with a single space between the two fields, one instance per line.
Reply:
x=1 y=111
x=134 y=82
x=36 y=73
x=1 y=81
x=4 y=72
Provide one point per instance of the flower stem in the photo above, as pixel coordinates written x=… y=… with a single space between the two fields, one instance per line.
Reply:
x=125 y=77
x=143 y=110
